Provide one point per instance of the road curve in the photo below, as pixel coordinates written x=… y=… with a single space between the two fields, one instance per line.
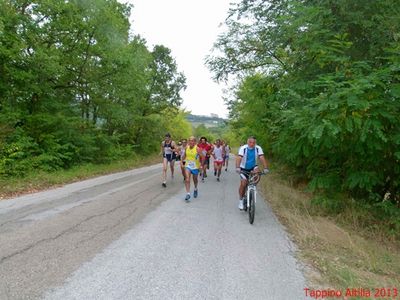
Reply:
x=123 y=236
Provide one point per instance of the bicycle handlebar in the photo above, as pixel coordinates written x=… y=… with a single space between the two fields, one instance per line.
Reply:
x=253 y=173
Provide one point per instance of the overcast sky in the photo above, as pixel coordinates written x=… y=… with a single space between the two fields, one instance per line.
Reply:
x=189 y=28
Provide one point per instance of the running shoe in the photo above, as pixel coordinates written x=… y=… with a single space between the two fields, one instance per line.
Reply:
x=195 y=193
x=187 y=198
x=164 y=184
x=241 y=204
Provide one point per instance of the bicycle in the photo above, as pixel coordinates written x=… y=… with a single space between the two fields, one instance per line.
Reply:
x=251 y=193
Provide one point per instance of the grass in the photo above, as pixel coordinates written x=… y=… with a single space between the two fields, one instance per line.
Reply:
x=38 y=181
x=340 y=250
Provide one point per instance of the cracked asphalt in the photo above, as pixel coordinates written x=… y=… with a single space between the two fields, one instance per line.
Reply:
x=123 y=236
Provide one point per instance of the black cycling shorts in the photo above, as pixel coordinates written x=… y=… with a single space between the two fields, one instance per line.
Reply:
x=244 y=173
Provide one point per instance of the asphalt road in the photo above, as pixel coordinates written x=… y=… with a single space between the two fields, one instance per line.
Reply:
x=123 y=236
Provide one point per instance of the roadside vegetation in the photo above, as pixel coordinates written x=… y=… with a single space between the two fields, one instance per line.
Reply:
x=223 y=131
x=318 y=83
x=348 y=248
x=36 y=181
x=78 y=89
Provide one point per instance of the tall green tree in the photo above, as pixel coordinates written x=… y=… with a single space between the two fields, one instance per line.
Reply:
x=319 y=83
x=166 y=82
x=75 y=87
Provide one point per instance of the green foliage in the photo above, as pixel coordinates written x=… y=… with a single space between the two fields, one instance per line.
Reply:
x=319 y=87
x=75 y=88
x=176 y=124
x=166 y=82
x=202 y=130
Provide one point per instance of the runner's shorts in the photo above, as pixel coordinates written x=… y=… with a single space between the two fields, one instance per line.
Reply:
x=170 y=157
x=244 y=173
x=193 y=171
x=219 y=162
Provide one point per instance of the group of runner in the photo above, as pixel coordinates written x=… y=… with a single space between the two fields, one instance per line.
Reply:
x=195 y=157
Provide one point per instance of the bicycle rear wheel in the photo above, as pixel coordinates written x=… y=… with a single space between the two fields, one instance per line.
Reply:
x=252 y=206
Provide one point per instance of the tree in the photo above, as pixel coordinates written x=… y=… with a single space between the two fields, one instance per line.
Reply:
x=201 y=130
x=319 y=83
x=166 y=82
x=75 y=88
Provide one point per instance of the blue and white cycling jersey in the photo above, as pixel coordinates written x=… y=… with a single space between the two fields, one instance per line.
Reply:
x=249 y=156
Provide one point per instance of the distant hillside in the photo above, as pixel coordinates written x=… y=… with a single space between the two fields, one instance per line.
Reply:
x=208 y=121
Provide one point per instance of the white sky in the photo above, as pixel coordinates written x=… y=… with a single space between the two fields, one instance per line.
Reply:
x=189 y=28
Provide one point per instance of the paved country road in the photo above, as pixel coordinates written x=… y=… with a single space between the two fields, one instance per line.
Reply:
x=123 y=236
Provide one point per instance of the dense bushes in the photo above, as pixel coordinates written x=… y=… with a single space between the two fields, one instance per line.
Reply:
x=75 y=87
x=320 y=87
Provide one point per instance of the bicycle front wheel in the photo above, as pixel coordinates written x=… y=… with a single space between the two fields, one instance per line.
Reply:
x=252 y=206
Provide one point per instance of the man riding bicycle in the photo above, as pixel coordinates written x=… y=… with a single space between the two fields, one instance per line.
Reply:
x=246 y=162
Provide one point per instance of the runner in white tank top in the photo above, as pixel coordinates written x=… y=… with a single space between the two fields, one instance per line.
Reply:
x=218 y=155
